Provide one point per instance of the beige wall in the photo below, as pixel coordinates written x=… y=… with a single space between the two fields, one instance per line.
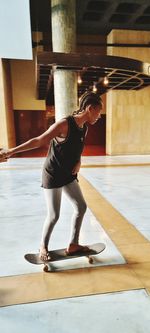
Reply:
x=7 y=131
x=128 y=112
x=128 y=119
x=23 y=74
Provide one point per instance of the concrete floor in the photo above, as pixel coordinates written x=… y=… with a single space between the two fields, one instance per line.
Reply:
x=110 y=296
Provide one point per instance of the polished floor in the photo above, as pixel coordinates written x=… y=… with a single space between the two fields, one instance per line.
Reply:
x=114 y=291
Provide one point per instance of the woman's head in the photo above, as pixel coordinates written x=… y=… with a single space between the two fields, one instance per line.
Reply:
x=90 y=98
x=91 y=103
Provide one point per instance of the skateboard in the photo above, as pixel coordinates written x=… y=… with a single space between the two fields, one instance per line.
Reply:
x=60 y=254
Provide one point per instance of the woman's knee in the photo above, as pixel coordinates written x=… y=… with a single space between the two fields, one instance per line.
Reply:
x=82 y=207
x=52 y=218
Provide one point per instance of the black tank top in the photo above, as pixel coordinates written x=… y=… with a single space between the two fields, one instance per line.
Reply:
x=63 y=156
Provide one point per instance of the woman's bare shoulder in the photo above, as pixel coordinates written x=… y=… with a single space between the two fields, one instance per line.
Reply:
x=63 y=126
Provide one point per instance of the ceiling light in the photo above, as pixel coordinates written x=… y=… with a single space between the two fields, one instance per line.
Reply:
x=94 y=88
x=79 y=79
x=105 y=81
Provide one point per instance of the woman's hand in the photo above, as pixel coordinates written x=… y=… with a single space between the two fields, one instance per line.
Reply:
x=76 y=168
x=4 y=154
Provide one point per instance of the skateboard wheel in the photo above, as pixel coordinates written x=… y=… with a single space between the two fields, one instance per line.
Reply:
x=91 y=260
x=45 y=268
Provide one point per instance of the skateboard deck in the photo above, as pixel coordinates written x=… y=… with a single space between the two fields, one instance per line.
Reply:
x=60 y=254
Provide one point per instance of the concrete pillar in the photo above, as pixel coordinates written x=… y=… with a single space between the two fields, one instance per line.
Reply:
x=7 y=129
x=64 y=40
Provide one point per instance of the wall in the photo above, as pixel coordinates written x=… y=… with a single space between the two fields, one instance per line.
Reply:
x=128 y=114
x=29 y=124
x=97 y=132
x=7 y=130
x=24 y=86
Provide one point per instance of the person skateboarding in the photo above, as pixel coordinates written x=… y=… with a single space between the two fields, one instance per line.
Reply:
x=61 y=167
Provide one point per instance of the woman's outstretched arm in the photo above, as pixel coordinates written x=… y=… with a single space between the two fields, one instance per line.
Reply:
x=56 y=130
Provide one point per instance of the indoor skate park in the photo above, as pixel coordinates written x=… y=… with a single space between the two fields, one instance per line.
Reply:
x=107 y=49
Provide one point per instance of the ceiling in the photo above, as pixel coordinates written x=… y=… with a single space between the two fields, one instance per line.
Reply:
x=101 y=17
x=97 y=17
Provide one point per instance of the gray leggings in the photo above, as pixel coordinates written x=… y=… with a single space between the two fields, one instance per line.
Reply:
x=53 y=200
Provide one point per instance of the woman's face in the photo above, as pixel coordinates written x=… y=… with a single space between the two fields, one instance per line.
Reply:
x=94 y=114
